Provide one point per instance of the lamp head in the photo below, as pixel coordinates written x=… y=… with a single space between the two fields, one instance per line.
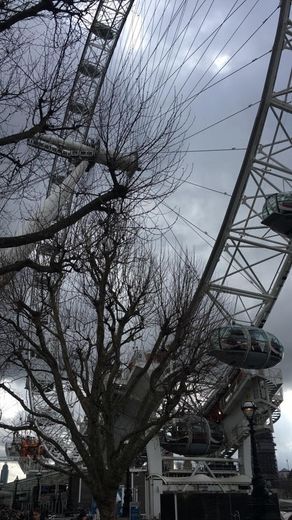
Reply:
x=249 y=408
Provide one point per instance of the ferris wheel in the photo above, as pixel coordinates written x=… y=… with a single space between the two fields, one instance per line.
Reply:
x=252 y=257
x=252 y=254
x=249 y=264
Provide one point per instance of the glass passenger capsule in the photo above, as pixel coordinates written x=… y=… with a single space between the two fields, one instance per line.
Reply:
x=89 y=69
x=246 y=347
x=191 y=436
x=277 y=213
x=102 y=30
x=25 y=446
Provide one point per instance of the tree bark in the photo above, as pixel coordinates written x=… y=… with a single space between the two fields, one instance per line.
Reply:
x=107 y=506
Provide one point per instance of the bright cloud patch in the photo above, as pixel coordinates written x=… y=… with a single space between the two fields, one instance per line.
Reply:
x=134 y=31
x=10 y=408
x=220 y=61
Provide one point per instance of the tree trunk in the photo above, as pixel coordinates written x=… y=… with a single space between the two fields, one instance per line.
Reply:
x=107 y=507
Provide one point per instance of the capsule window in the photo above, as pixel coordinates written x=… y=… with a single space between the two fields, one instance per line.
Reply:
x=233 y=338
x=258 y=340
x=270 y=206
x=276 y=346
x=285 y=202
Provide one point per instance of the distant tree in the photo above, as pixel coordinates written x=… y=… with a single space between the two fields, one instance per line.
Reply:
x=110 y=347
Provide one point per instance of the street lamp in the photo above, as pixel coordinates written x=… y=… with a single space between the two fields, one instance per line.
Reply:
x=14 y=502
x=260 y=494
x=69 y=504
x=38 y=489
x=127 y=495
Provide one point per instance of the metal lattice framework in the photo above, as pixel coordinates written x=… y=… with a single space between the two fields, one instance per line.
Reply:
x=102 y=39
x=249 y=262
x=103 y=36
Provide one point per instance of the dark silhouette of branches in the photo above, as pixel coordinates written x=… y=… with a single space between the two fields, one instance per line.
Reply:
x=107 y=348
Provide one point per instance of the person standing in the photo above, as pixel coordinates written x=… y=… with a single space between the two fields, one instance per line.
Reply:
x=82 y=516
x=37 y=515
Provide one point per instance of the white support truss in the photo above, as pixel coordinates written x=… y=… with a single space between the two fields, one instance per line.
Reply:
x=103 y=35
x=250 y=263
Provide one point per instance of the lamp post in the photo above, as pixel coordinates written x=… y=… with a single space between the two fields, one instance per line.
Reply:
x=38 y=489
x=14 y=501
x=260 y=494
x=69 y=504
x=127 y=495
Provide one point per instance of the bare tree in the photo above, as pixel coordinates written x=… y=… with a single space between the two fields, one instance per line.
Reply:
x=40 y=43
x=109 y=347
x=99 y=321
x=146 y=175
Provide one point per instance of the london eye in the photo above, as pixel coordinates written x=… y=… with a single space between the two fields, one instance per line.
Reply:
x=251 y=256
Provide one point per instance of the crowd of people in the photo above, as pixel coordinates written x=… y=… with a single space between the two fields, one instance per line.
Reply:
x=6 y=513
x=10 y=514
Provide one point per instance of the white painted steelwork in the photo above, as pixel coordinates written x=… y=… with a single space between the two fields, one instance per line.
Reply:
x=249 y=262
x=103 y=35
x=69 y=148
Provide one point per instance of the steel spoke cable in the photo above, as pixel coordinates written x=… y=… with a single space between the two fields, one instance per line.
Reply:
x=157 y=46
x=230 y=116
x=239 y=49
x=222 y=80
x=214 y=32
x=204 y=150
x=171 y=45
x=184 y=105
x=226 y=43
x=143 y=64
x=189 y=56
x=200 y=231
x=188 y=101
x=181 y=254
x=207 y=87
x=204 y=187
x=161 y=36
x=152 y=78
x=123 y=53
x=193 y=226
x=214 y=35
x=228 y=76
x=160 y=87
x=233 y=114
